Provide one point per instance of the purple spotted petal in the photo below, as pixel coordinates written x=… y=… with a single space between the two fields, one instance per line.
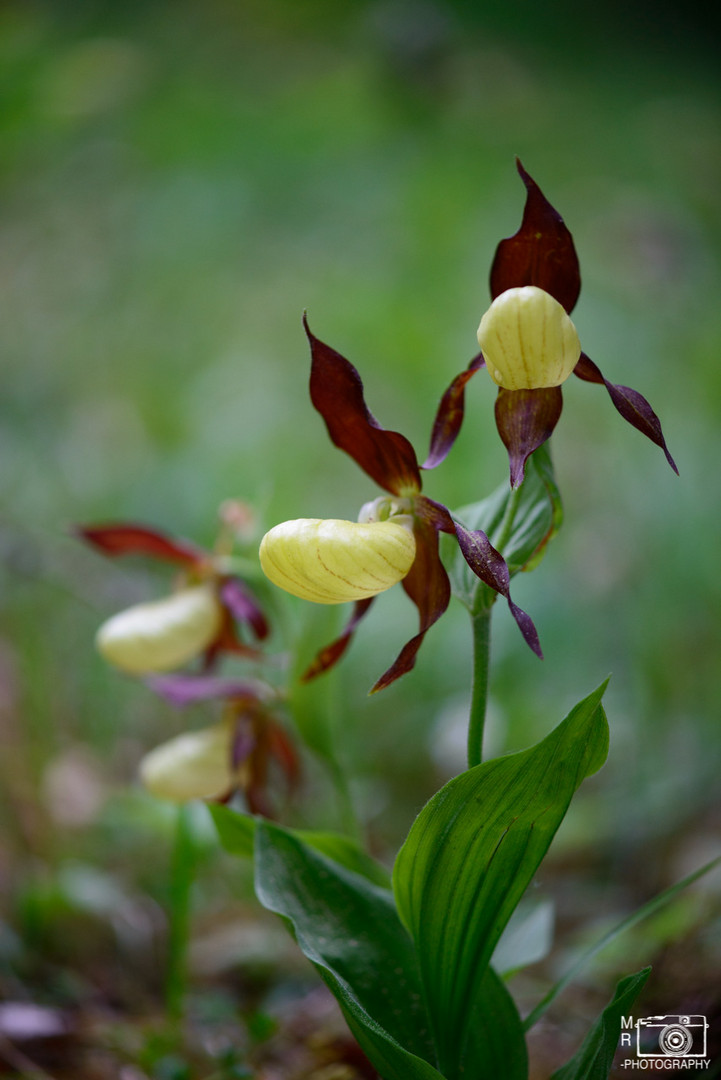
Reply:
x=541 y=253
x=336 y=391
x=332 y=653
x=525 y=420
x=632 y=406
x=485 y=562
x=181 y=690
x=450 y=415
x=428 y=587
x=240 y=602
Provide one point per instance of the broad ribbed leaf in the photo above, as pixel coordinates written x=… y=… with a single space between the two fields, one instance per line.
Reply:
x=237 y=835
x=469 y=857
x=350 y=930
x=594 y=1059
x=537 y=518
x=495 y=1042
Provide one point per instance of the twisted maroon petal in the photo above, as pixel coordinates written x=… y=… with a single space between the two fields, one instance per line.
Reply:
x=332 y=653
x=450 y=415
x=541 y=253
x=631 y=405
x=237 y=598
x=485 y=562
x=126 y=538
x=336 y=391
x=428 y=587
x=525 y=419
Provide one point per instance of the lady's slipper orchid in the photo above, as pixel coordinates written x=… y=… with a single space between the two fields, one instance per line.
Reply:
x=197 y=619
x=529 y=344
x=396 y=538
x=233 y=755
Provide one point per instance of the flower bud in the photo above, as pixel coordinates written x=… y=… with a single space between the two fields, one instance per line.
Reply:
x=330 y=561
x=194 y=765
x=163 y=634
x=528 y=340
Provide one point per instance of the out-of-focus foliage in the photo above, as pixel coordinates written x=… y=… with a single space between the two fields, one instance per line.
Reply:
x=178 y=182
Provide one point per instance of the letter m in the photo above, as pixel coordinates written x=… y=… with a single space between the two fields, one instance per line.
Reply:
x=626 y=1022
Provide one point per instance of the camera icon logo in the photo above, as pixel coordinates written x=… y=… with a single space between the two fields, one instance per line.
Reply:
x=671 y=1036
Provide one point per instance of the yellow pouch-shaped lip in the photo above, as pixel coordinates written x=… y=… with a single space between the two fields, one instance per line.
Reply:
x=163 y=634
x=194 y=765
x=528 y=340
x=330 y=561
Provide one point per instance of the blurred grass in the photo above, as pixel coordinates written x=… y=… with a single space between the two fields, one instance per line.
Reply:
x=178 y=182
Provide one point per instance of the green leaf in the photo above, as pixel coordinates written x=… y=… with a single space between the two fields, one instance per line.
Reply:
x=496 y=1045
x=350 y=930
x=348 y=853
x=520 y=525
x=594 y=1059
x=469 y=857
x=237 y=832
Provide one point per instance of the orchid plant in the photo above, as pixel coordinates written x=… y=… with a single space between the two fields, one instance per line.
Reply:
x=415 y=959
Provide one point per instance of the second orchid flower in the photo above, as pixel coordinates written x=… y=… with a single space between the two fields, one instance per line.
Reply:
x=396 y=538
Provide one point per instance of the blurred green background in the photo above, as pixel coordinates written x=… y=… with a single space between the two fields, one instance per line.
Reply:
x=178 y=182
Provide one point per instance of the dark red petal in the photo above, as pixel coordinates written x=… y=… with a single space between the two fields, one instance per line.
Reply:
x=332 y=653
x=245 y=740
x=525 y=420
x=541 y=253
x=237 y=598
x=490 y=566
x=336 y=391
x=631 y=405
x=428 y=586
x=483 y=559
x=130 y=539
x=450 y=415
x=282 y=748
x=183 y=689
x=228 y=641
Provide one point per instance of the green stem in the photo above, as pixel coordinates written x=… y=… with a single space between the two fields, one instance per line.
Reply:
x=479 y=694
x=348 y=819
x=181 y=881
